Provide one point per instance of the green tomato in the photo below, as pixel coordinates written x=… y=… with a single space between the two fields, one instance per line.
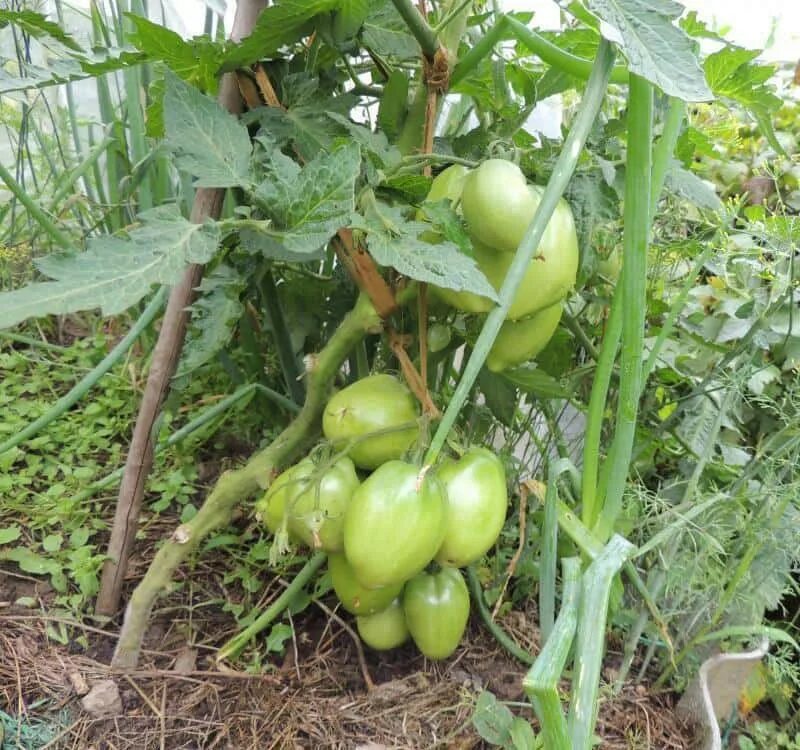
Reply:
x=549 y=278
x=611 y=265
x=552 y=271
x=437 y=610
x=468 y=302
x=439 y=337
x=394 y=524
x=315 y=506
x=270 y=508
x=521 y=340
x=448 y=184
x=356 y=599
x=497 y=204
x=477 y=500
x=384 y=630
x=374 y=403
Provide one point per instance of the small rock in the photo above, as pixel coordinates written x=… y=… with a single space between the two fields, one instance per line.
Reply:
x=103 y=699
x=78 y=682
x=186 y=660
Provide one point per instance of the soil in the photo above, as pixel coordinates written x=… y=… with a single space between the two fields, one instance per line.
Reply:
x=316 y=695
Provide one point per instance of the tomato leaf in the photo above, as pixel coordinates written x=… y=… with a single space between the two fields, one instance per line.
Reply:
x=303 y=122
x=386 y=32
x=281 y=23
x=655 y=47
x=732 y=74
x=395 y=241
x=114 y=273
x=195 y=61
x=214 y=315
x=208 y=142
x=689 y=186
x=306 y=206
x=38 y=26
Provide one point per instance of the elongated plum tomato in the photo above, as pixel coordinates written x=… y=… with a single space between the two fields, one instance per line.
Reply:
x=315 y=506
x=394 y=524
x=497 y=204
x=372 y=404
x=475 y=487
x=356 y=599
x=385 y=629
x=437 y=610
x=550 y=275
x=521 y=340
x=551 y=272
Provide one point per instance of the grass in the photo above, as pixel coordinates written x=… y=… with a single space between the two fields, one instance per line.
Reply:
x=48 y=525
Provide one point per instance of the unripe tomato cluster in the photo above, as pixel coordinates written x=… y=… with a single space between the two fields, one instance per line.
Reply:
x=498 y=204
x=396 y=538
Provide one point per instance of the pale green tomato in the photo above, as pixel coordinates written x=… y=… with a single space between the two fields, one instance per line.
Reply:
x=437 y=610
x=394 y=524
x=384 y=630
x=375 y=404
x=355 y=598
x=315 y=508
x=497 y=205
x=519 y=341
x=477 y=499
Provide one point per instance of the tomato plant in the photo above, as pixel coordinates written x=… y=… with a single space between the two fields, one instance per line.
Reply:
x=436 y=606
x=385 y=153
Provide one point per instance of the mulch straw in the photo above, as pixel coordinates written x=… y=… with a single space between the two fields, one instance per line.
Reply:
x=314 y=698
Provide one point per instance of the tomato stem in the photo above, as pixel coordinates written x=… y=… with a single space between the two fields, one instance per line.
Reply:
x=506 y=27
x=235 y=486
x=418 y=26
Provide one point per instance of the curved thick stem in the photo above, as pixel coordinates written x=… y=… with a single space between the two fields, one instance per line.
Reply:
x=239 y=484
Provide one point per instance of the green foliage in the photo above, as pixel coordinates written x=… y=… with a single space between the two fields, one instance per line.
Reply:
x=656 y=49
x=196 y=61
x=114 y=273
x=767 y=734
x=208 y=142
x=717 y=429
x=45 y=528
x=305 y=205
x=280 y=24
x=495 y=723
x=395 y=241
